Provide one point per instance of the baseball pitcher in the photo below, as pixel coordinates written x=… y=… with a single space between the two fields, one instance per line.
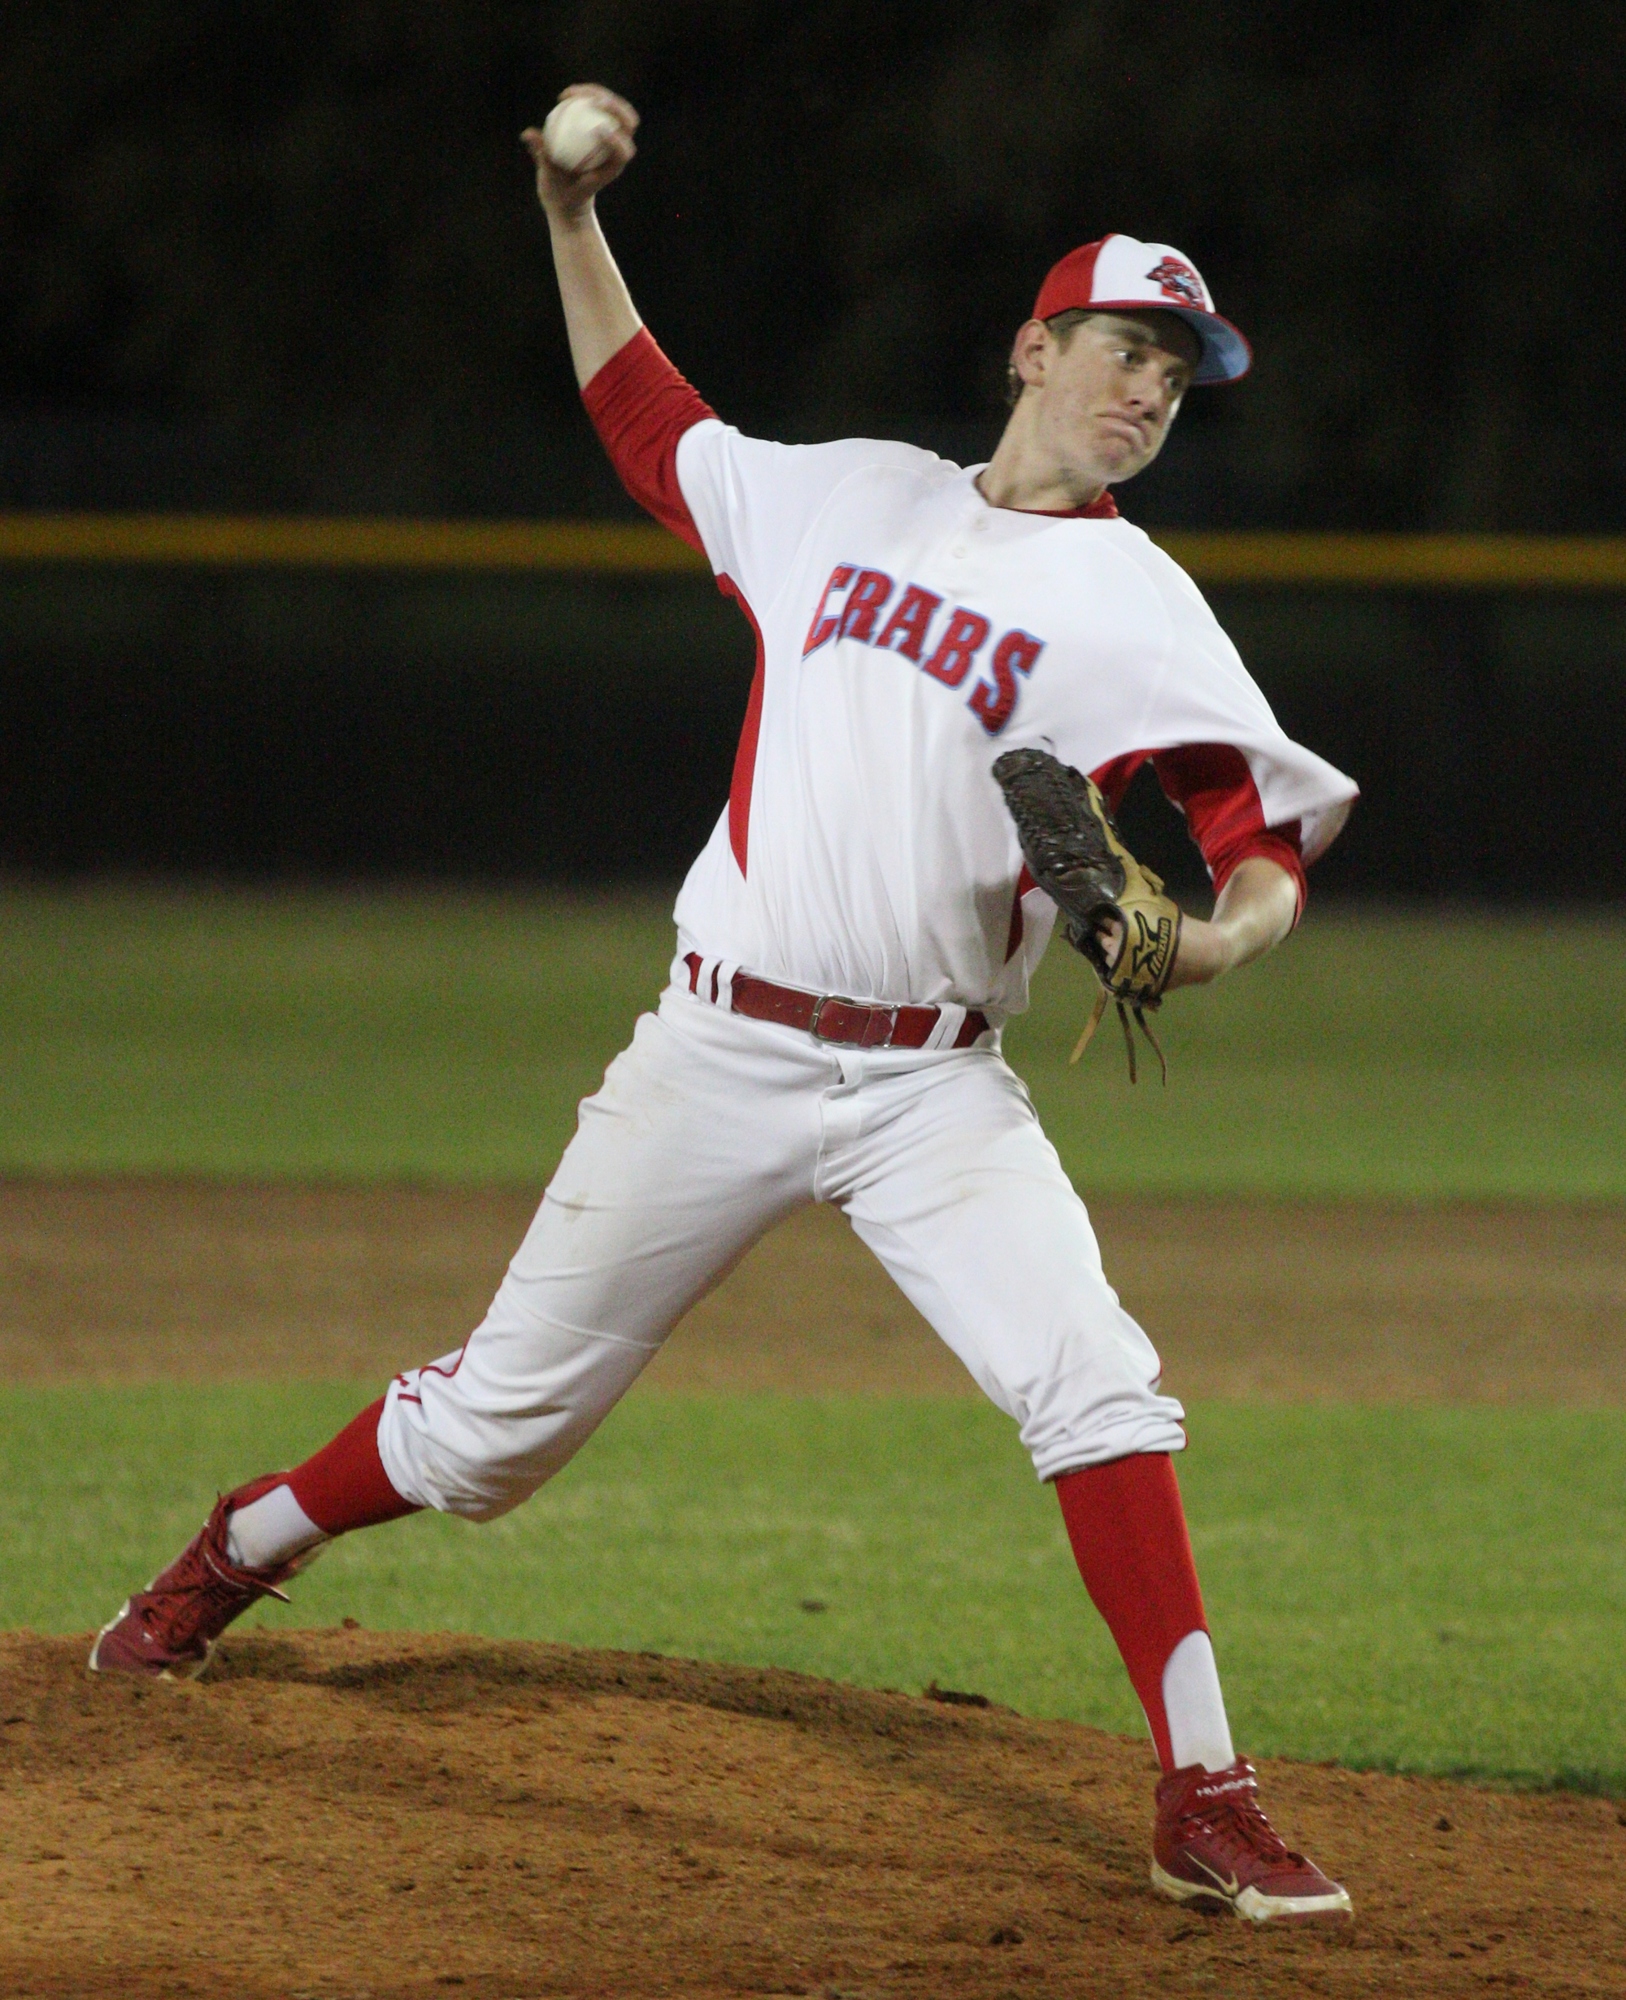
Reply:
x=959 y=670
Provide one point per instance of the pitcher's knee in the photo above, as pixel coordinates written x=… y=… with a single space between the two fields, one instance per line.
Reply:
x=475 y=1464
x=1063 y=1433
x=478 y=1433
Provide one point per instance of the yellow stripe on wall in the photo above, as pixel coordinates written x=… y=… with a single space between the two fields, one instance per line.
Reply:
x=245 y=541
x=1402 y=562
x=636 y=548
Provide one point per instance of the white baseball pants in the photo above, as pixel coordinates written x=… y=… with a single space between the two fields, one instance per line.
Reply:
x=708 y=1130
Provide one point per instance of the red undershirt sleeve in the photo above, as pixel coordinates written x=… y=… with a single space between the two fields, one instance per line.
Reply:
x=1213 y=787
x=641 y=406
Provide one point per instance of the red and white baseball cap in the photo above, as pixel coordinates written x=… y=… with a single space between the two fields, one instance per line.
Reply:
x=1120 y=274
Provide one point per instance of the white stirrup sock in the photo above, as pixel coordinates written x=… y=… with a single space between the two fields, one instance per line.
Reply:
x=1198 y=1730
x=271 y=1531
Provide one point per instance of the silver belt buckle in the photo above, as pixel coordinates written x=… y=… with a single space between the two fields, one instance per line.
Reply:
x=859 y=1006
x=844 y=1000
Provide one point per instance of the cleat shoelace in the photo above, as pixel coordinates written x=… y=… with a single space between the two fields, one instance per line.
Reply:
x=1239 y=1828
x=200 y=1596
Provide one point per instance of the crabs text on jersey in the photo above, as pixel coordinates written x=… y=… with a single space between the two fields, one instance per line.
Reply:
x=850 y=607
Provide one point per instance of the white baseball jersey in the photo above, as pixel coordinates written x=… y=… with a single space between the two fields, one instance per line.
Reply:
x=908 y=632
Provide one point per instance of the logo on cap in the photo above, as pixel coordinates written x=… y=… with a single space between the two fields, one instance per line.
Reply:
x=1178 y=280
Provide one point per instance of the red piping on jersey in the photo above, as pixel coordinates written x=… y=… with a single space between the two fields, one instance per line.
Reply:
x=641 y=407
x=745 y=757
x=1024 y=882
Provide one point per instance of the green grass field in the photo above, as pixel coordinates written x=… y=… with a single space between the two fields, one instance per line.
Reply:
x=451 y=1037
x=1438 y=1590
x=1431 y=1590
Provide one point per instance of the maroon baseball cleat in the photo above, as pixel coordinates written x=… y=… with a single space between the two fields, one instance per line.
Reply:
x=168 y=1630
x=1214 y=1848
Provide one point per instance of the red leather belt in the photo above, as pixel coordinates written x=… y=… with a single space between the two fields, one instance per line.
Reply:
x=833 y=1019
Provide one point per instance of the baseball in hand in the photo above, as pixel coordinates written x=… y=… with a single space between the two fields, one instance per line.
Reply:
x=575 y=129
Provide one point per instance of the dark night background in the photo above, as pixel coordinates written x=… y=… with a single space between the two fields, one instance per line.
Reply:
x=266 y=257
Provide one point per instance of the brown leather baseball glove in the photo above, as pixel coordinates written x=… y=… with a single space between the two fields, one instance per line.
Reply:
x=1114 y=910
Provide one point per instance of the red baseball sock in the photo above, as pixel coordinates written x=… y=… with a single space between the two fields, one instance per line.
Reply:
x=1128 y=1531
x=344 y=1485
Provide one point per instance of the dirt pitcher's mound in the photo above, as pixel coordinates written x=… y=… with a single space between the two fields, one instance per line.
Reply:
x=345 y=1814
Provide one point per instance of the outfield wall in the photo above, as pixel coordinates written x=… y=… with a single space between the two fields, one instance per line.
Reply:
x=165 y=708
